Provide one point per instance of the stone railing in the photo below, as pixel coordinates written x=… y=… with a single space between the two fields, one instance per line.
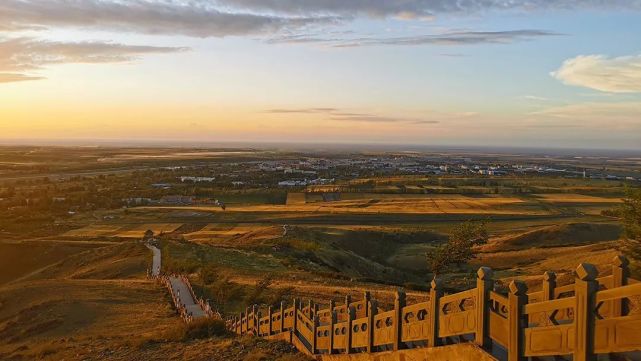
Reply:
x=589 y=317
x=204 y=304
x=180 y=308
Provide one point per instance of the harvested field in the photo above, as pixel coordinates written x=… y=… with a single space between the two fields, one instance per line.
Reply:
x=94 y=230
x=574 y=198
x=222 y=233
x=456 y=204
x=139 y=231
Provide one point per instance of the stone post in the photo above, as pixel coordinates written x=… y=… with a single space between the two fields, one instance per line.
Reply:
x=332 y=321
x=295 y=320
x=259 y=315
x=517 y=298
x=399 y=303
x=351 y=315
x=433 y=313
x=366 y=298
x=247 y=320
x=484 y=285
x=585 y=289
x=315 y=311
x=372 y=309
x=314 y=339
x=620 y=274
x=282 y=316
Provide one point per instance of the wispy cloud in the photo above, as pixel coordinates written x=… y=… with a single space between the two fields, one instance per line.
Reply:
x=451 y=38
x=421 y=9
x=535 y=98
x=21 y=56
x=173 y=17
x=303 y=110
x=614 y=75
x=12 y=77
x=337 y=114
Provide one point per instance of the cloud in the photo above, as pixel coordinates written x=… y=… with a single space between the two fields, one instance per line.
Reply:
x=302 y=110
x=23 y=55
x=10 y=77
x=535 y=98
x=614 y=75
x=194 y=18
x=219 y=18
x=421 y=9
x=340 y=115
x=452 y=38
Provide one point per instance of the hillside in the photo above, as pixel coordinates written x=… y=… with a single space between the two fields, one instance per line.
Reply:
x=561 y=235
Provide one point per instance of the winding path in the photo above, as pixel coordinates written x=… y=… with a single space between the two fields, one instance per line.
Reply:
x=155 y=268
x=178 y=287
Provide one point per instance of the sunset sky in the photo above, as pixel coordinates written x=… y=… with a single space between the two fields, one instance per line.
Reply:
x=548 y=73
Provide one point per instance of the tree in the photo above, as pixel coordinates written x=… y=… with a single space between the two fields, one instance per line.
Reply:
x=149 y=234
x=459 y=248
x=631 y=218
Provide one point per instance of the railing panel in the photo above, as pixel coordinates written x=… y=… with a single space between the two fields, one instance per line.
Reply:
x=416 y=322
x=499 y=325
x=360 y=307
x=276 y=317
x=384 y=328
x=263 y=325
x=288 y=320
x=340 y=335
x=618 y=334
x=304 y=326
x=322 y=337
x=360 y=332
x=457 y=314
x=324 y=316
x=341 y=313
x=549 y=340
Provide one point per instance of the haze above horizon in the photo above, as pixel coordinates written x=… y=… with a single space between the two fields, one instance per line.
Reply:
x=523 y=73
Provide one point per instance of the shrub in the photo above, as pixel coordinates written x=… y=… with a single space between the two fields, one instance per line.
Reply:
x=205 y=328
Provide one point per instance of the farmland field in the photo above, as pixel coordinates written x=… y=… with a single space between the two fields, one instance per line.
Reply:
x=94 y=230
x=139 y=231
x=575 y=198
x=456 y=204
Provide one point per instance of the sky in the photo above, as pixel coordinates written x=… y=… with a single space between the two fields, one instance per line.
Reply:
x=530 y=73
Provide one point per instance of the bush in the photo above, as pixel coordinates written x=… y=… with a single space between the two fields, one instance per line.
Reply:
x=205 y=328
